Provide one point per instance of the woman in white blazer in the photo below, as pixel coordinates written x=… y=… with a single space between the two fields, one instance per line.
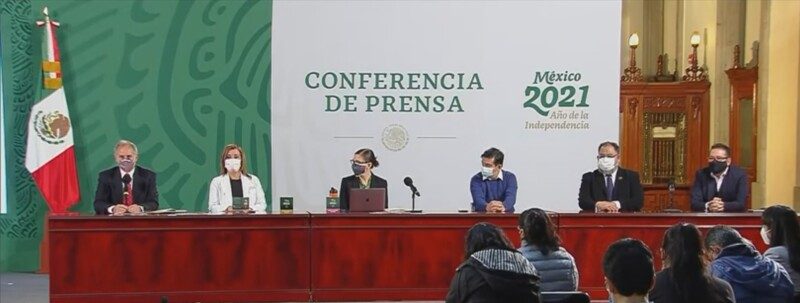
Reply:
x=234 y=181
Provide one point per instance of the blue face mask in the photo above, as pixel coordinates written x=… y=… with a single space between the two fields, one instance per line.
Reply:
x=358 y=169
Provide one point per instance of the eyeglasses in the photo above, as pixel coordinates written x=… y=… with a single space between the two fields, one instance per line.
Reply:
x=606 y=156
x=358 y=162
x=718 y=159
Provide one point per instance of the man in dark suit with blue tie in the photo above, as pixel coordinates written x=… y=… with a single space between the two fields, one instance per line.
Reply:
x=610 y=188
x=720 y=187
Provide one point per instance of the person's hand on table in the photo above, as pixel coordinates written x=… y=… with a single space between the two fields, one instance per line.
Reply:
x=495 y=207
x=716 y=205
x=119 y=209
x=134 y=209
x=606 y=207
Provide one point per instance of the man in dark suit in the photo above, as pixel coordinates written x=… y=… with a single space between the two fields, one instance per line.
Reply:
x=125 y=188
x=720 y=187
x=610 y=188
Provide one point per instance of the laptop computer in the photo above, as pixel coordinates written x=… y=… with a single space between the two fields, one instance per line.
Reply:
x=367 y=200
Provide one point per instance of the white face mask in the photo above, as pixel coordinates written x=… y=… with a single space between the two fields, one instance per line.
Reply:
x=126 y=165
x=765 y=235
x=487 y=172
x=606 y=165
x=233 y=165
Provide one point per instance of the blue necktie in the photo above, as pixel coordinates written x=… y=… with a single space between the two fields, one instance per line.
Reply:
x=609 y=186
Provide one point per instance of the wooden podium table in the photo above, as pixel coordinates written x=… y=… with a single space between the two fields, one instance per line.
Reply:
x=311 y=257
x=202 y=258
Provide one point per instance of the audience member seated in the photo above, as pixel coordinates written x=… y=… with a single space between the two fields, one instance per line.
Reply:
x=753 y=277
x=493 y=271
x=781 y=232
x=628 y=268
x=685 y=277
x=542 y=247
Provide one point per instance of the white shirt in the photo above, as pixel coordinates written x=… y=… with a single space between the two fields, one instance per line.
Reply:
x=220 y=196
x=499 y=175
x=122 y=173
x=613 y=182
x=718 y=179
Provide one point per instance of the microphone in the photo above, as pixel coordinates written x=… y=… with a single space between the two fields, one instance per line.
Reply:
x=414 y=194
x=410 y=183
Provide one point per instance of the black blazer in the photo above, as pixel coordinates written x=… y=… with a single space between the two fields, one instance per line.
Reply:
x=627 y=190
x=353 y=182
x=733 y=189
x=109 y=189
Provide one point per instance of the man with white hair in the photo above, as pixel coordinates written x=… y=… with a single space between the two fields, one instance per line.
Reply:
x=126 y=187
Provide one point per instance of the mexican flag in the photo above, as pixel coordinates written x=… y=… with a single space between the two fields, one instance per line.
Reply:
x=50 y=156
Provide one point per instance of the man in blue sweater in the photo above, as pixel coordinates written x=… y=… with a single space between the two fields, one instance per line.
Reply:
x=493 y=189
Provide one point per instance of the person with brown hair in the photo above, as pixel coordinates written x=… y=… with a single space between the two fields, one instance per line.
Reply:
x=781 y=232
x=542 y=247
x=363 y=162
x=685 y=277
x=493 y=271
x=234 y=182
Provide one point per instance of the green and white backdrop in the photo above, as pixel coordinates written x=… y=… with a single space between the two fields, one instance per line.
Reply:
x=430 y=85
x=433 y=85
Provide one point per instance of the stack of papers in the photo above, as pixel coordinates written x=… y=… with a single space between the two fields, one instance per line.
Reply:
x=166 y=211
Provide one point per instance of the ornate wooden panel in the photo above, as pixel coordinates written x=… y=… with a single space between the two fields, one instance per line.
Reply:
x=664 y=136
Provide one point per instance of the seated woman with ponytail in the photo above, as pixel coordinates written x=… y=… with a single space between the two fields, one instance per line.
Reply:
x=685 y=277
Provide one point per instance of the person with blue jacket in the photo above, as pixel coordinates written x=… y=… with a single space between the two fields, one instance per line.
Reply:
x=542 y=247
x=753 y=277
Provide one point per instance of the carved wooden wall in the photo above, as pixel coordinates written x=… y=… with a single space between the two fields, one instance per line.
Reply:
x=665 y=137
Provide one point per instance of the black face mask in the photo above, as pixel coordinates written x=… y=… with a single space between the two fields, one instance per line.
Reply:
x=717 y=167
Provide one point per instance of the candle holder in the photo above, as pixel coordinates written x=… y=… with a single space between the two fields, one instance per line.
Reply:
x=632 y=73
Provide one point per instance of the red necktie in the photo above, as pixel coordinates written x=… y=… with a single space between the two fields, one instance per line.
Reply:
x=127 y=196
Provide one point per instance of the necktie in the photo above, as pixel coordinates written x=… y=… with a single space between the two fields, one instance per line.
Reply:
x=127 y=196
x=609 y=187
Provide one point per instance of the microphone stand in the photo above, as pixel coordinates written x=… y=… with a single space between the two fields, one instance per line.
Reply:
x=414 y=194
x=671 y=207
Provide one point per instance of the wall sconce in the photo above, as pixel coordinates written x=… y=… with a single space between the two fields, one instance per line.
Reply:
x=632 y=73
x=694 y=72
